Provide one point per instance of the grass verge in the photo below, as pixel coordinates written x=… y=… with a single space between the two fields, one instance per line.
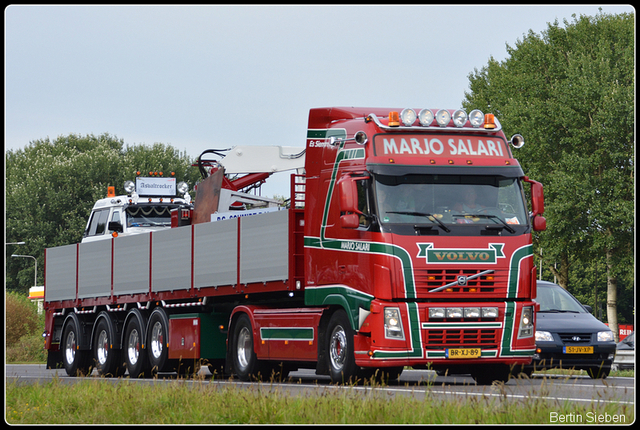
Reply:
x=97 y=401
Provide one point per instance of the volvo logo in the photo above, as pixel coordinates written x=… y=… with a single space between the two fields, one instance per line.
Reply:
x=462 y=281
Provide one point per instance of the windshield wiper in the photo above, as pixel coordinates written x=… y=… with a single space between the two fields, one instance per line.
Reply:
x=507 y=226
x=429 y=216
x=560 y=311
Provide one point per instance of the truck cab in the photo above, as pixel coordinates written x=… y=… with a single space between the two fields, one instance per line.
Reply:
x=146 y=207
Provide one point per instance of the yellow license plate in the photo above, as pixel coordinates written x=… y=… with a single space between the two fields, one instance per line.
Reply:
x=578 y=349
x=455 y=353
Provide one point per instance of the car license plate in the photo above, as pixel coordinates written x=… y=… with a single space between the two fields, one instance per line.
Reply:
x=578 y=349
x=455 y=353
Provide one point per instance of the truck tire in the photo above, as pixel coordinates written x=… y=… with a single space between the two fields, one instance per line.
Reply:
x=75 y=361
x=244 y=360
x=107 y=360
x=135 y=355
x=158 y=342
x=339 y=346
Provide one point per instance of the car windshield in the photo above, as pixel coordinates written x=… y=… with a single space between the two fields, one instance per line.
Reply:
x=450 y=199
x=557 y=299
x=148 y=215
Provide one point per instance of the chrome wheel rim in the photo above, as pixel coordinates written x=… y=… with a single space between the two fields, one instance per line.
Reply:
x=133 y=347
x=244 y=347
x=70 y=347
x=157 y=339
x=338 y=348
x=102 y=348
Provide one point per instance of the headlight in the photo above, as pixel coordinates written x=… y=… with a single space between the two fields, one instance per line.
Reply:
x=605 y=336
x=443 y=117
x=183 y=187
x=526 y=322
x=393 y=324
x=543 y=336
x=129 y=187
x=408 y=117
x=476 y=118
x=425 y=117
x=459 y=118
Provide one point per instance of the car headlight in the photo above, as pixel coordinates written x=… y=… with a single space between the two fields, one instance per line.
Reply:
x=393 y=324
x=605 y=336
x=543 y=336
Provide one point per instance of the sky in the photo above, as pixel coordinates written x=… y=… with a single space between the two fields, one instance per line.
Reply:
x=211 y=77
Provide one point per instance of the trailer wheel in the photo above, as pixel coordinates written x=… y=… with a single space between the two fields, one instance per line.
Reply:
x=135 y=355
x=106 y=359
x=340 y=356
x=75 y=361
x=158 y=342
x=244 y=360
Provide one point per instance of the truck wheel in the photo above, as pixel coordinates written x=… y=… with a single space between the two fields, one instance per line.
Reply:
x=75 y=361
x=158 y=341
x=339 y=343
x=106 y=359
x=135 y=356
x=244 y=360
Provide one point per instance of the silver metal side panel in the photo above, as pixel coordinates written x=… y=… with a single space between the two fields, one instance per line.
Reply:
x=264 y=247
x=171 y=259
x=60 y=270
x=131 y=264
x=94 y=269
x=216 y=253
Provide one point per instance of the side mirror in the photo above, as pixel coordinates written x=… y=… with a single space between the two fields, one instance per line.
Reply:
x=537 y=205
x=588 y=308
x=350 y=221
x=348 y=195
x=537 y=198
x=539 y=223
x=348 y=201
x=115 y=226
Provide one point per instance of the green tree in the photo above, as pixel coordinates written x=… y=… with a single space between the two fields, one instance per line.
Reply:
x=51 y=187
x=570 y=92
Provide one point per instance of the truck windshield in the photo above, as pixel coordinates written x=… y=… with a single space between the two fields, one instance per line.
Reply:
x=450 y=199
x=148 y=216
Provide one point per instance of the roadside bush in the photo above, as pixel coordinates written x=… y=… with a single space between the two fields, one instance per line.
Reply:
x=21 y=317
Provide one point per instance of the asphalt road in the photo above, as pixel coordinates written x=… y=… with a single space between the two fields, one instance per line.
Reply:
x=415 y=383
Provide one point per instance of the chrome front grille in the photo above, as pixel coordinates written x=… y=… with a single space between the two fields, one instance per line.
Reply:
x=485 y=338
x=430 y=279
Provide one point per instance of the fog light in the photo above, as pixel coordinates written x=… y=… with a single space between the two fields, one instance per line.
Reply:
x=436 y=313
x=454 y=312
x=472 y=312
x=489 y=312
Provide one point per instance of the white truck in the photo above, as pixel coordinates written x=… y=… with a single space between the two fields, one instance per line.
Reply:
x=146 y=207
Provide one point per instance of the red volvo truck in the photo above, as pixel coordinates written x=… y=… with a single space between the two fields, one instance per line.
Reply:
x=407 y=241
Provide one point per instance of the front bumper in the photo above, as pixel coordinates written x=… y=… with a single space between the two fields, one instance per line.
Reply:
x=450 y=342
x=550 y=355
